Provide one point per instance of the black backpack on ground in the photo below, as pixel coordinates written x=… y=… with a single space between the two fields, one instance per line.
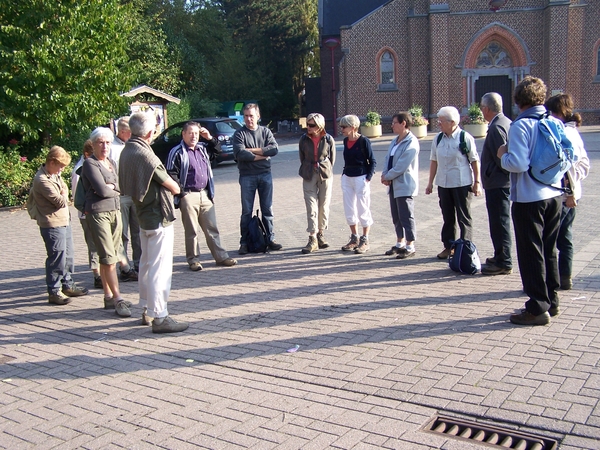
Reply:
x=257 y=236
x=465 y=258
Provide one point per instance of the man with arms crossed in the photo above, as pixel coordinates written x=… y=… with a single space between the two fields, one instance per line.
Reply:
x=253 y=147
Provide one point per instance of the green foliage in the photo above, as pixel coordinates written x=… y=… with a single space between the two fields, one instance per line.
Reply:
x=16 y=175
x=192 y=106
x=62 y=64
x=416 y=111
x=157 y=64
x=372 y=119
x=474 y=116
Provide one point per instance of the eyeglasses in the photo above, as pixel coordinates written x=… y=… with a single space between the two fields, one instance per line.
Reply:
x=395 y=123
x=311 y=125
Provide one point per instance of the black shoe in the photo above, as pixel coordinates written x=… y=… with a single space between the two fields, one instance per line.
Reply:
x=405 y=253
x=526 y=318
x=131 y=275
x=98 y=282
x=274 y=246
x=491 y=269
x=554 y=311
x=393 y=251
x=490 y=261
x=243 y=250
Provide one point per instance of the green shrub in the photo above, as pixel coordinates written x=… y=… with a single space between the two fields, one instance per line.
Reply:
x=16 y=175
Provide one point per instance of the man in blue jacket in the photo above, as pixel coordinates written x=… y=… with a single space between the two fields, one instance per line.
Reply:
x=189 y=165
x=253 y=147
x=535 y=210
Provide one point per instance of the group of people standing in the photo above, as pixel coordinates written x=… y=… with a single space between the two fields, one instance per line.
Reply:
x=120 y=183
x=542 y=215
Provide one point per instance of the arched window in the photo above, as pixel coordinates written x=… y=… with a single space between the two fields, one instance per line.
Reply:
x=387 y=71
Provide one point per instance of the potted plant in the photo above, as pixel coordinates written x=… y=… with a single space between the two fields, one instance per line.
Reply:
x=419 y=123
x=474 y=123
x=372 y=126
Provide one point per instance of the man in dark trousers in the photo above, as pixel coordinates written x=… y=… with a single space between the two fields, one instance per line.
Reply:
x=496 y=184
x=253 y=147
x=535 y=209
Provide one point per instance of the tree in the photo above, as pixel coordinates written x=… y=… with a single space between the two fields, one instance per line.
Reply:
x=279 y=40
x=62 y=64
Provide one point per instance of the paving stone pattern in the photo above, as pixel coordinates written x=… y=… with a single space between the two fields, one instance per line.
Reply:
x=384 y=344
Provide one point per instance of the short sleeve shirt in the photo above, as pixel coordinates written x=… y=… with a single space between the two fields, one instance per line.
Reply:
x=454 y=168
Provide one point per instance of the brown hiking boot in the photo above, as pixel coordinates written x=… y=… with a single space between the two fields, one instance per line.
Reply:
x=321 y=241
x=312 y=245
x=352 y=244
x=363 y=245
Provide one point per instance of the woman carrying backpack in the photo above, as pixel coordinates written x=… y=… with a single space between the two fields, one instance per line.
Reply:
x=561 y=107
x=317 y=157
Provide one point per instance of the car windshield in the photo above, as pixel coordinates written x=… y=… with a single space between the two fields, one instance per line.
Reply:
x=228 y=127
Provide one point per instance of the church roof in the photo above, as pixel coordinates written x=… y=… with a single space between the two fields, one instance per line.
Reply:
x=337 y=13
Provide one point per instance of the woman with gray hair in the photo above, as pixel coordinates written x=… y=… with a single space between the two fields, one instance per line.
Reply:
x=454 y=164
x=359 y=168
x=101 y=185
x=317 y=157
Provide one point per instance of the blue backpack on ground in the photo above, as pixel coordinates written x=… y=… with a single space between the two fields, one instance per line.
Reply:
x=552 y=155
x=465 y=258
x=257 y=236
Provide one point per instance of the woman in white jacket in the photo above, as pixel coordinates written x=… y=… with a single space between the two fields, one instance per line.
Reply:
x=561 y=107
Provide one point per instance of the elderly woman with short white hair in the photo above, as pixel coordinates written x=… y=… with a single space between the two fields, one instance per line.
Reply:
x=101 y=185
x=454 y=165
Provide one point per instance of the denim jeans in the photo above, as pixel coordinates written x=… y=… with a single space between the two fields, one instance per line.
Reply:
x=564 y=243
x=249 y=184
x=60 y=260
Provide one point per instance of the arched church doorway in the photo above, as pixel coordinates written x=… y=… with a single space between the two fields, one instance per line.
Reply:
x=501 y=84
x=495 y=60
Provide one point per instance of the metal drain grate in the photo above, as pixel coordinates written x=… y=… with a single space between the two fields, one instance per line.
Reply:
x=488 y=435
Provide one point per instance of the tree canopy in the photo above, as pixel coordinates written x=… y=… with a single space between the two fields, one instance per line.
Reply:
x=64 y=63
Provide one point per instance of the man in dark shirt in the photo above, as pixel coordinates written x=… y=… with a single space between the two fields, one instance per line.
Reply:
x=497 y=185
x=253 y=147
x=189 y=165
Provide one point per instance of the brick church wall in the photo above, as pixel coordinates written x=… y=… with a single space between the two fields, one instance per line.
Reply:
x=559 y=41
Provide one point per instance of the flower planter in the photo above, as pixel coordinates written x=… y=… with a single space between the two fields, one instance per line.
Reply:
x=419 y=131
x=371 y=132
x=478 y=131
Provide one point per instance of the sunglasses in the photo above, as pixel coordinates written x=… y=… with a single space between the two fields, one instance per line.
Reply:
x=311 y=125
x=343 y=126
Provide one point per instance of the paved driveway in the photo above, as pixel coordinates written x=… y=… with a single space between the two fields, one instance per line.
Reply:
x=383 y=345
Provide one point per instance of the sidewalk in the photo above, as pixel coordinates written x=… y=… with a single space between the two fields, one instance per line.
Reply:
x=383 y=345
